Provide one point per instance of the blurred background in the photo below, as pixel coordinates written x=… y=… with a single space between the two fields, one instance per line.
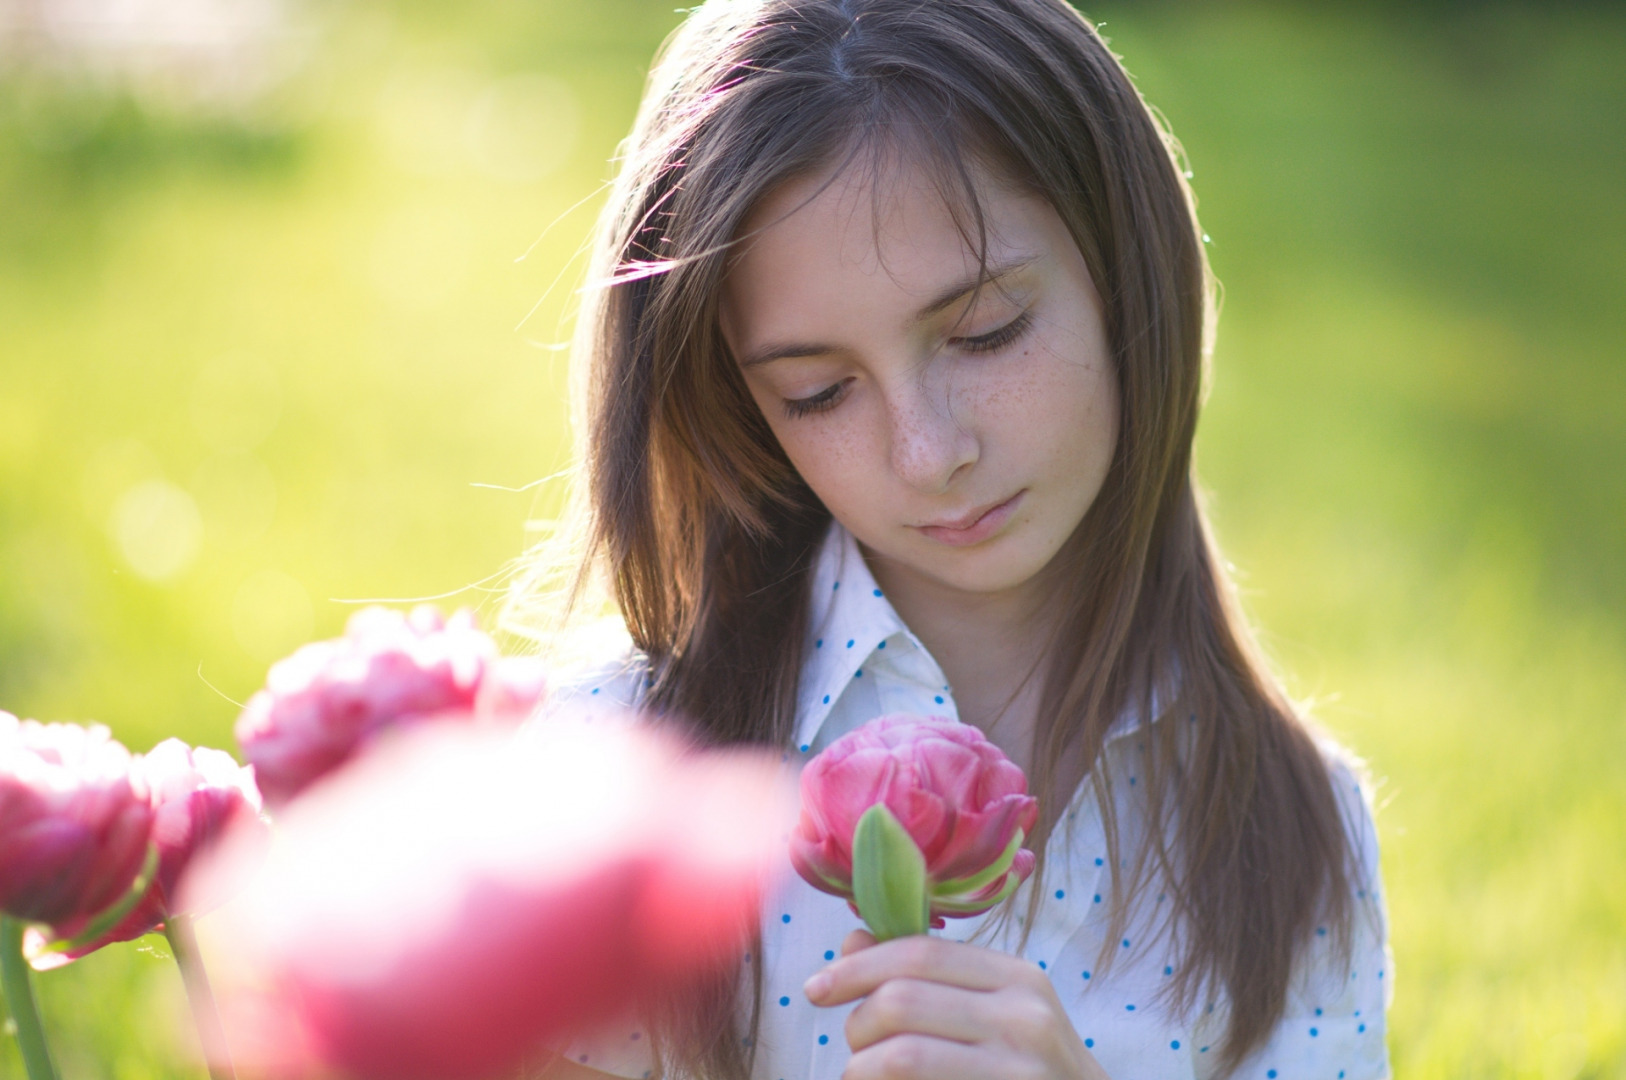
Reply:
x=282 y=287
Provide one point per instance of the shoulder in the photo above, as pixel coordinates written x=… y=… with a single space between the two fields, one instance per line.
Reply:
x=1353 y=788
x=595 y=670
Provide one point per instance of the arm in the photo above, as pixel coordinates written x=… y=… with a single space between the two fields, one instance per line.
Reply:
x=1333 y=1023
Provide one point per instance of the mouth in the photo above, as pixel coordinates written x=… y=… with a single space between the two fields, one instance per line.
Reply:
x=975 y=526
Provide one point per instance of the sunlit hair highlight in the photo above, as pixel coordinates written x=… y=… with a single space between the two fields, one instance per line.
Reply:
x=704 y=534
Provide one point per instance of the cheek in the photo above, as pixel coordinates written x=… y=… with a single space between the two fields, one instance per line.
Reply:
x=836 y=455
x=1055 y=414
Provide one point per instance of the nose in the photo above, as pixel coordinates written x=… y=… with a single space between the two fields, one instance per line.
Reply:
x=929 y=446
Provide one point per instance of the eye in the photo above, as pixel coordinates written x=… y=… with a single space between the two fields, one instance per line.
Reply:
x=820 y=402
x=995 y=340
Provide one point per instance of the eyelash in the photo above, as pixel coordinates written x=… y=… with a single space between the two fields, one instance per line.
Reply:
x=822 y=401
x=998 y=339
x=993 y=341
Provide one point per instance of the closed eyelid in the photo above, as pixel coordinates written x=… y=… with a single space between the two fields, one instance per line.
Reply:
x=999 y=305
x=946 y=301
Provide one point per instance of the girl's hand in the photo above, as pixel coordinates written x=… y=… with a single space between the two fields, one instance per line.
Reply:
x=943 y=1010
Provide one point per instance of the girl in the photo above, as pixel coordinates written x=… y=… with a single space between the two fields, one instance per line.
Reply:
x=893 y=366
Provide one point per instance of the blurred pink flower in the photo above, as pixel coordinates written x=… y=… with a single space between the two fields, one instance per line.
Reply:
x=461 y=893
x=960 y=798
x=74 y=820
x=329 y=697
x=197 y=795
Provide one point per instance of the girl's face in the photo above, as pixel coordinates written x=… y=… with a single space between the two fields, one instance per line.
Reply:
x=959 y=437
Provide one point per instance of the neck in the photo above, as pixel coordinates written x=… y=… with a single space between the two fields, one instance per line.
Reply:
x=990 y=646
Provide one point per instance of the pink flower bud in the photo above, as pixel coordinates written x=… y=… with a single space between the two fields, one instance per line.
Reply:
x=74 y=820
x=389 y=668
x=197 y=795
x=461 y=893
x=960 y=798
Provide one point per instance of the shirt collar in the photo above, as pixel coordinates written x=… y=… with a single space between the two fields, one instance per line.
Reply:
x=852 y=621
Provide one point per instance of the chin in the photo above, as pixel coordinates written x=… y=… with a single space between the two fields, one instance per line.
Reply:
x=988 y=568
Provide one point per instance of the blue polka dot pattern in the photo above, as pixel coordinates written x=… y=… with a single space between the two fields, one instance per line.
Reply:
x=800 y=1041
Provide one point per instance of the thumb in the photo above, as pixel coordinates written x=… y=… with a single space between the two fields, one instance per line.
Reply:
x=858 y=939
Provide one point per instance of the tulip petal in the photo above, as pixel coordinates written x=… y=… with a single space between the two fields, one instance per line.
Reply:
x=995 y=869
x=979 y=837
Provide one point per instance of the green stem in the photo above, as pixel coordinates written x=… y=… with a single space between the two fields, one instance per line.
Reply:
x=184 y=944
x=14 y=976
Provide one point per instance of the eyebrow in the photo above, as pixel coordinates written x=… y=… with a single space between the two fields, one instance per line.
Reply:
x=942 y=302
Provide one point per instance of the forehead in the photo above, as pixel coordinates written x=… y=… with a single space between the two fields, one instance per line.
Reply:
x=872 y=239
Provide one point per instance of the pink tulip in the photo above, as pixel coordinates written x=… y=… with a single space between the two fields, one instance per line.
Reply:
x=197 y=795
x=74 y=821
x=461 y=893
x=329 y=697
x=961 y=800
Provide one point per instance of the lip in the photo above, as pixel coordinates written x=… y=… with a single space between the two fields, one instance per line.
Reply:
x=973 y=527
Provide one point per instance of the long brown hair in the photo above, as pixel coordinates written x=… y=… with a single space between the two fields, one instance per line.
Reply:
x=706 y=534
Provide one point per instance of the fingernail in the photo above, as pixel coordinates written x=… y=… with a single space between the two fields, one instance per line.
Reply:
x=817 y=986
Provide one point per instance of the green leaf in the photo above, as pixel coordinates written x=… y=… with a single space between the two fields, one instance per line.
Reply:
x=889 y=876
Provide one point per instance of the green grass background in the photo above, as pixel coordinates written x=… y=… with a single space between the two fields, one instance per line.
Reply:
x=1416 y=440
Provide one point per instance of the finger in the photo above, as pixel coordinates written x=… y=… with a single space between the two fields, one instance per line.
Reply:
x=857 y=939
x=922 y=1057
x=918 y=1007
x=917 y=957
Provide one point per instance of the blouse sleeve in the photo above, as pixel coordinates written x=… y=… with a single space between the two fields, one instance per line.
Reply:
x=1333 y=1025
x=603 y=688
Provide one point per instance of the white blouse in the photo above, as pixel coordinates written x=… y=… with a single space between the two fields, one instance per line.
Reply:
x=863 y=662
